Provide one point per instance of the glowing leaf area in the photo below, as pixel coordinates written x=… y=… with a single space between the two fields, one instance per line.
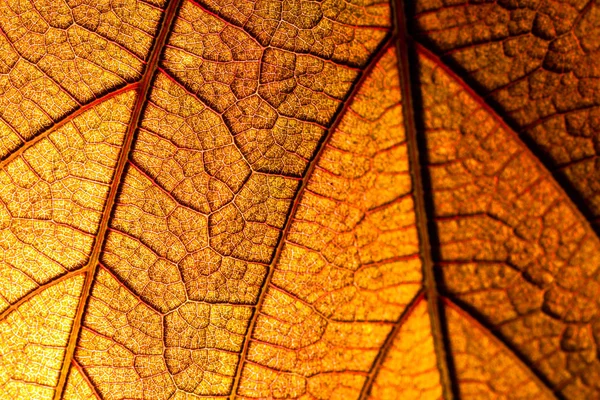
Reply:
x=328 y=199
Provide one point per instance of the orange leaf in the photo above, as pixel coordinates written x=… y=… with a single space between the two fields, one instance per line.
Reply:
x=206 y=199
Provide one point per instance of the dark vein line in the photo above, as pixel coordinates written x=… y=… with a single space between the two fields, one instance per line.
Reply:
x=62 y=122
x=565 y=187
x=404 y=47
x=529 y=149
x=385 y=348
x=506 y=349
x=144 y=88
x=384 y=46
x=265 y=44
x=38 y=290
x=543 y=171
x=86 y=378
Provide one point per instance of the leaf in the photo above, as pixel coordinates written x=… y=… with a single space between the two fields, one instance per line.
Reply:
x=537 y=63
x=203 y=199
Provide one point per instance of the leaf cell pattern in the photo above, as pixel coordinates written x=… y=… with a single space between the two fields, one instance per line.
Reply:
x=473 y=347
x=52 y=198
x=538 y=62
x=349 y=264
x=59 y=55
x=512 y=246
x=34 y=338
x=410 y=370
x=264 y=199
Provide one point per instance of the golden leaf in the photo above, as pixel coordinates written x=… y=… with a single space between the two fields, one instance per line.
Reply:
x=256 y=199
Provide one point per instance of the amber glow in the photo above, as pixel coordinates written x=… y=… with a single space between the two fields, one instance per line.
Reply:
x=256 y=199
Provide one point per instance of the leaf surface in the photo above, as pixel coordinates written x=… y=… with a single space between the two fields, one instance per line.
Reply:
x=537 y=63
x=204 y=199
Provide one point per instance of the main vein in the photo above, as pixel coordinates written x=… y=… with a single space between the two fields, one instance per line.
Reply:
x=403 y=47
x=91 y=266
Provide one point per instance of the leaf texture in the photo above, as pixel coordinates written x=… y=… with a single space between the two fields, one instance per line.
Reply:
x=511 y=245
x=256 y=199
x=537 y=62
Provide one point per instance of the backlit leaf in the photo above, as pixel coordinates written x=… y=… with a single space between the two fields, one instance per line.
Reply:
x=264 y=199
